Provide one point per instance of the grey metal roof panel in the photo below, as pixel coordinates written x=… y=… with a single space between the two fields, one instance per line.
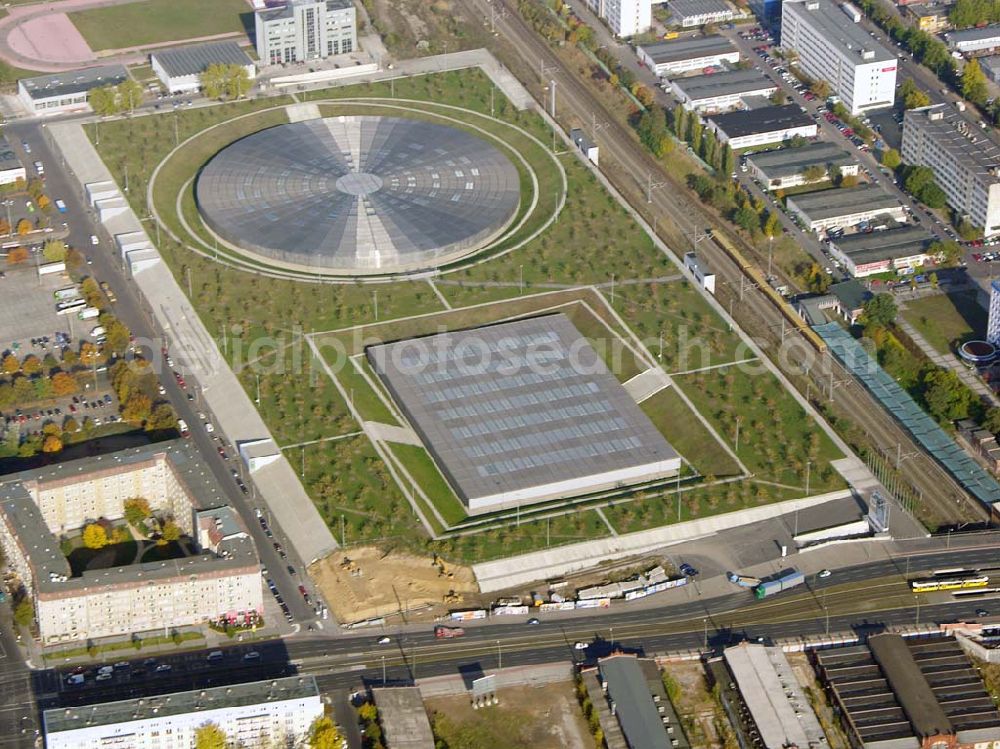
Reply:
x=685 y=49
x=516 y=406
x=633 y=704
x=687 y=8
x=196 y=58
x=784 y=162
x=973 y=35
x=841 y=201
x=73 y=82
x=725 y=83
x=764 y=120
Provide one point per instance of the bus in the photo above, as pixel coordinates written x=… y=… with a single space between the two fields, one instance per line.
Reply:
x=67 y=306
x=960 y=581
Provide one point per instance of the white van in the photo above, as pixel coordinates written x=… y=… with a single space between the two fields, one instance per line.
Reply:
x=97 y=332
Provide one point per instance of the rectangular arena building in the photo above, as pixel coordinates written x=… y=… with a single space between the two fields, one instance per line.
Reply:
x=522 y=412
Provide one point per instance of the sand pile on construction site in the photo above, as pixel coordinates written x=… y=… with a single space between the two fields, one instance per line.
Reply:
x=367 y=582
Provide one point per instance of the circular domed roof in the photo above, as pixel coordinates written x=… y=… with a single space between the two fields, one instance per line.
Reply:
x=359 y=195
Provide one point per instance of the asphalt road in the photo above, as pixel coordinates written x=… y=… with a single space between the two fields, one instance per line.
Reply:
x=107 y=266
x=352 y=660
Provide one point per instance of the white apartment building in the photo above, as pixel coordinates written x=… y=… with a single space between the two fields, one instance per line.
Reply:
x=993 y=323
x=254 y=715
x=305 y=30
x=624 y=17
x=965 y=161
x=832 y=47
x=222 y=580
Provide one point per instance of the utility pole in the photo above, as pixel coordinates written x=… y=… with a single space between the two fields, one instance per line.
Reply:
x=808 y=466
x=650 y=186
x=499 y=657
x=258 y=385
x=342 y=542
x=552 y=101
x=770 y=253
x=705 y=622
x=678 y=495
x=383 y=670
x=737 y=447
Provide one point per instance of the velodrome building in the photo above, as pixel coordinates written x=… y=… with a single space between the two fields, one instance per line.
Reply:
x=220 y=579
x=522 y=412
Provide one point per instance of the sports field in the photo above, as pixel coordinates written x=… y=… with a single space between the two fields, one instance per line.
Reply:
x=156 y=21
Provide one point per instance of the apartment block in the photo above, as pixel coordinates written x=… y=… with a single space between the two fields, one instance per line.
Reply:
x=38 y=508
x=831 y=46
x=965 y=161
x=624 y=17
x=255 y=714
x=305 y=30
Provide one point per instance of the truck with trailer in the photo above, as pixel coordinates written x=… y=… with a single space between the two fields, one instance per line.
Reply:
x=786 y=580
x=446 y=633
x=744 y=581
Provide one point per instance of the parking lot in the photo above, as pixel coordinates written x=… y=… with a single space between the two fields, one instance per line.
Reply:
x=28 y=309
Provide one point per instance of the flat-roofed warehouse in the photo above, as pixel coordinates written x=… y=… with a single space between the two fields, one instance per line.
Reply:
x=718 y=92
x=521 y=412
x=864 y=254
x=684 y=55
x=845 y=206
x=770 y=691
x=913 y=693
x=67 y=92
x=755 y=127
x=180 y=68
x=786 y=167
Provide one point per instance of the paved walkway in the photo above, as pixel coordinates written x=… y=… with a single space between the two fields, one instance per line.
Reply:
x=949 y=361
x=647 y=384
x=392 y=433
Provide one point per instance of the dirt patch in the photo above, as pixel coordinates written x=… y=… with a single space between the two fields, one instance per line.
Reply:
x=546 y=717
x=366 y=582
x=695 y=706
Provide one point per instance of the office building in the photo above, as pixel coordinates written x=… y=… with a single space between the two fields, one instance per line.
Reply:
x=625 y=18
x=768 y=12
x=684 y=55
x=909 y=693
x=965 y=161
x=691 y=13
x=974 y=42
x=832 y=47
x=180 y=68
x=933 y=20
x=532 y=415
x=60 y=93
x=11 y=168
x=903 y=249
x=788 y=167
x=721 y=92
x=757 y=127
x=775 y=702
x=39 y=507
x=843 y=207
x=305 y=30
x=277 y=712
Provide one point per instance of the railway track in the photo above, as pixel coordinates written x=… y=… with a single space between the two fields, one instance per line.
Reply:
x=629 y=167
